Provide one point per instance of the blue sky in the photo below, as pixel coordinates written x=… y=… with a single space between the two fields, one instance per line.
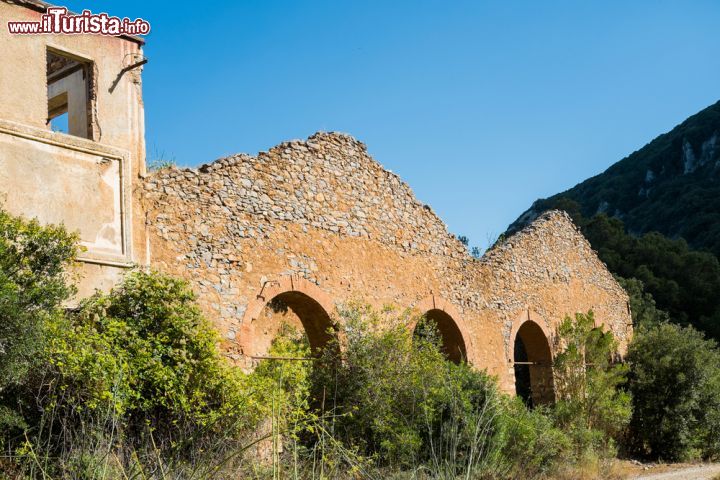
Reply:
x=481 y=107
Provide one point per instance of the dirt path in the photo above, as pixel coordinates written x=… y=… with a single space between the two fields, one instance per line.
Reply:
x=694 y=472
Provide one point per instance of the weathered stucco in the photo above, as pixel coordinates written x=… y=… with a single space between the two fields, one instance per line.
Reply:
x=321 y=218
x=85 y=183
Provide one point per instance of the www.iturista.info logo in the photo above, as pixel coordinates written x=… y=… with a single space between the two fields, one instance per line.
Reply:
x=57 y=20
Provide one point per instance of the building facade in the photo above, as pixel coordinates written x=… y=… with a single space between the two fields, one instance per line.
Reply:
x=72 y=139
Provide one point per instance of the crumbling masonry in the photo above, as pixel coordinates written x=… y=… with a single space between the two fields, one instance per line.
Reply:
x=307 y=225
x=318 y=222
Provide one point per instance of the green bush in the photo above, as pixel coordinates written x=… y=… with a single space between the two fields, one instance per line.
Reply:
x=534 y=446
x=675 y=382
x=33 y=286
x=133 y=383
x=141 y=363
x=398 y=400
x=590 y=406
x=283 y=386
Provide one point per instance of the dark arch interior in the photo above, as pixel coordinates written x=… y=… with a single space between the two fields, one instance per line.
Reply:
x=315 y=320
x=522 y=372
x=533 y=365
x=453 y=345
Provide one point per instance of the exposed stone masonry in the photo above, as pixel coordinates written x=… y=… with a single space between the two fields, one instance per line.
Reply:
x=328 y=183
x=284 y=236
x=324 y=213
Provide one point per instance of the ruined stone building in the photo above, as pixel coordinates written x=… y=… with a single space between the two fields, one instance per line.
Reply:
x=308 y=224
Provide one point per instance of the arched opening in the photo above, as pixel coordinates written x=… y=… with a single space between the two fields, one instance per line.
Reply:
x=295 y=310
x=453 y=344
x=533 y=365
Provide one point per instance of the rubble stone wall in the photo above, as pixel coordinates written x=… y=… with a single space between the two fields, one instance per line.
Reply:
x=322 y=220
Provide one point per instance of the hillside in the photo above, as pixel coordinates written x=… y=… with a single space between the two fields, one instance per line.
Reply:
x=671 y=185
x=654 y=219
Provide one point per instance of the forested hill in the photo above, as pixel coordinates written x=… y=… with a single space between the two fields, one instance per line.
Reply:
x=671 y=185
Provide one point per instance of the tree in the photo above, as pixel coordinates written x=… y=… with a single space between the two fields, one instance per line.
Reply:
x=642 y=305
x=683 y=282
x=33 y=287
x=675 y=383
x=591 y=406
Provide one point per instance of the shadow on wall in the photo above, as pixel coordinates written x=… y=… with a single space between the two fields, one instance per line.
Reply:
x=301 y=304
x=453 y=344
x=532 y=360
x=294 y=309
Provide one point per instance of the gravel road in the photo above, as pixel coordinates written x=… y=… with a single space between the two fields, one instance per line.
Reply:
x=700 y=472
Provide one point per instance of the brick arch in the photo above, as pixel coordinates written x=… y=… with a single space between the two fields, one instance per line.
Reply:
x=310 y=303
x=531 y=356
x=457 y=341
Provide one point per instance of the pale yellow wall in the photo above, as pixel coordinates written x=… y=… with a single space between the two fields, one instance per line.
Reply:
x=59 y=178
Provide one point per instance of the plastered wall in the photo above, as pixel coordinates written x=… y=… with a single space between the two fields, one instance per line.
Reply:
x=85 y=183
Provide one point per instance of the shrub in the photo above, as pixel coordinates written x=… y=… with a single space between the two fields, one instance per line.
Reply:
x=165 y=351
x=283 y=386
x=399 y=400
x=139 y=369
x=533 y=446
x=33 y=285
x=590 y=406
x=675 y=382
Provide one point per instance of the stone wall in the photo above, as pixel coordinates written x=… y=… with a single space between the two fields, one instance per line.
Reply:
x=318 y=222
